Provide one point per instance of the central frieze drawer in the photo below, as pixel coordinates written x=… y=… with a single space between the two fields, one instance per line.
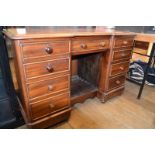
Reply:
x=49 y=86
x=119 y=68
x=46 y=67
x=30 y=50
x=50 y=105
x=82 y=45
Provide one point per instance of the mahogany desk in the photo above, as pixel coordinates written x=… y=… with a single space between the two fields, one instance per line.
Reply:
x=58 y=68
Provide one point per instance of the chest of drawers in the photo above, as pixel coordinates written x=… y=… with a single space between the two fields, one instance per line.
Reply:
x=44 y=71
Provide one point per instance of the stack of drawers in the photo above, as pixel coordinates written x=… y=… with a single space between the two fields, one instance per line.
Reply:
x=46 y=66
x=121 y=54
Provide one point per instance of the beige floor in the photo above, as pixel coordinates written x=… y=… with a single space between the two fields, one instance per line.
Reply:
x=120 y=112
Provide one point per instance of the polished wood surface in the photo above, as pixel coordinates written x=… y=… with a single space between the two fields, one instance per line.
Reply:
x=49 y=32
x=141 y=44
x=145 y=37
x=49 y=86
x=121 y=54
x=44 y=48
x=43 y=68
x=119 y=68
x=46 y=64
x=123 y=42
x=50 y=105
x=85 y=45
x=122 y=112
x=116 y=81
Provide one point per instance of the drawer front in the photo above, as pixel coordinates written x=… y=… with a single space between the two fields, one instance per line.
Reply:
x=119 y=68
x=141 y=45
x=90 y=45
x=48 y=86
x=46 y=67
x=121 y=54
x=45 y=49
x=116 y=81
x=123 y=42
x=50 y=105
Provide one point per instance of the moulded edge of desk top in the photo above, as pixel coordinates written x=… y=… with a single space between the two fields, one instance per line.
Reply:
x=12 y=34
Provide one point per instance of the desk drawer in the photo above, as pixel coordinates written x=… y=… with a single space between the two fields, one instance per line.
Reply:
x=116 y=81
x=46 y=67
x=82 y=45
x=50 y=105
x=121 y=54
x=141 y=45
x=48 y=49
x=48 y=86
x=119 y=68
x=123 y=42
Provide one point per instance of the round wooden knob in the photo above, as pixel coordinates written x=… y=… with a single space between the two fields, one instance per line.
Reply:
x=118 y=82
x=51 y=106
x=102 y=44
x=125 y=42
x=49 y=50
x=121 y=68
x=49 y=68
x=50 y=87
x=84 y=46
x=123 y=54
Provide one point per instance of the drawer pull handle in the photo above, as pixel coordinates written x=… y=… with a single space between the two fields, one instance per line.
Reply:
x=49 y=50
x=121 y=68
x=84 y=46
x=49 y=68
x=51 y=106
x=102 y=44
x=118 y=82
x=50 y=87
x=123 y=54
x=125 y=42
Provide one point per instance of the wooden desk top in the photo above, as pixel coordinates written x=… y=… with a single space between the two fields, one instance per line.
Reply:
x=145 y=37
x=49 y=32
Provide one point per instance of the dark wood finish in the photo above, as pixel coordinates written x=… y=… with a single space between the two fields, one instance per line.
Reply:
x=141 y=44
x=74 y=66
x=38 y=49
x=116 y=82
x=50 y=105
x=123 y=42
x=80 y=86
x=89 y=45
x=110 y=94
x=88 y=66
x=44 y=70
x=119 y=68
x=81 y=90
x=50 y=120
x=121 y=54
x=49 y=86
x=83 y=97
x=47 y=67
